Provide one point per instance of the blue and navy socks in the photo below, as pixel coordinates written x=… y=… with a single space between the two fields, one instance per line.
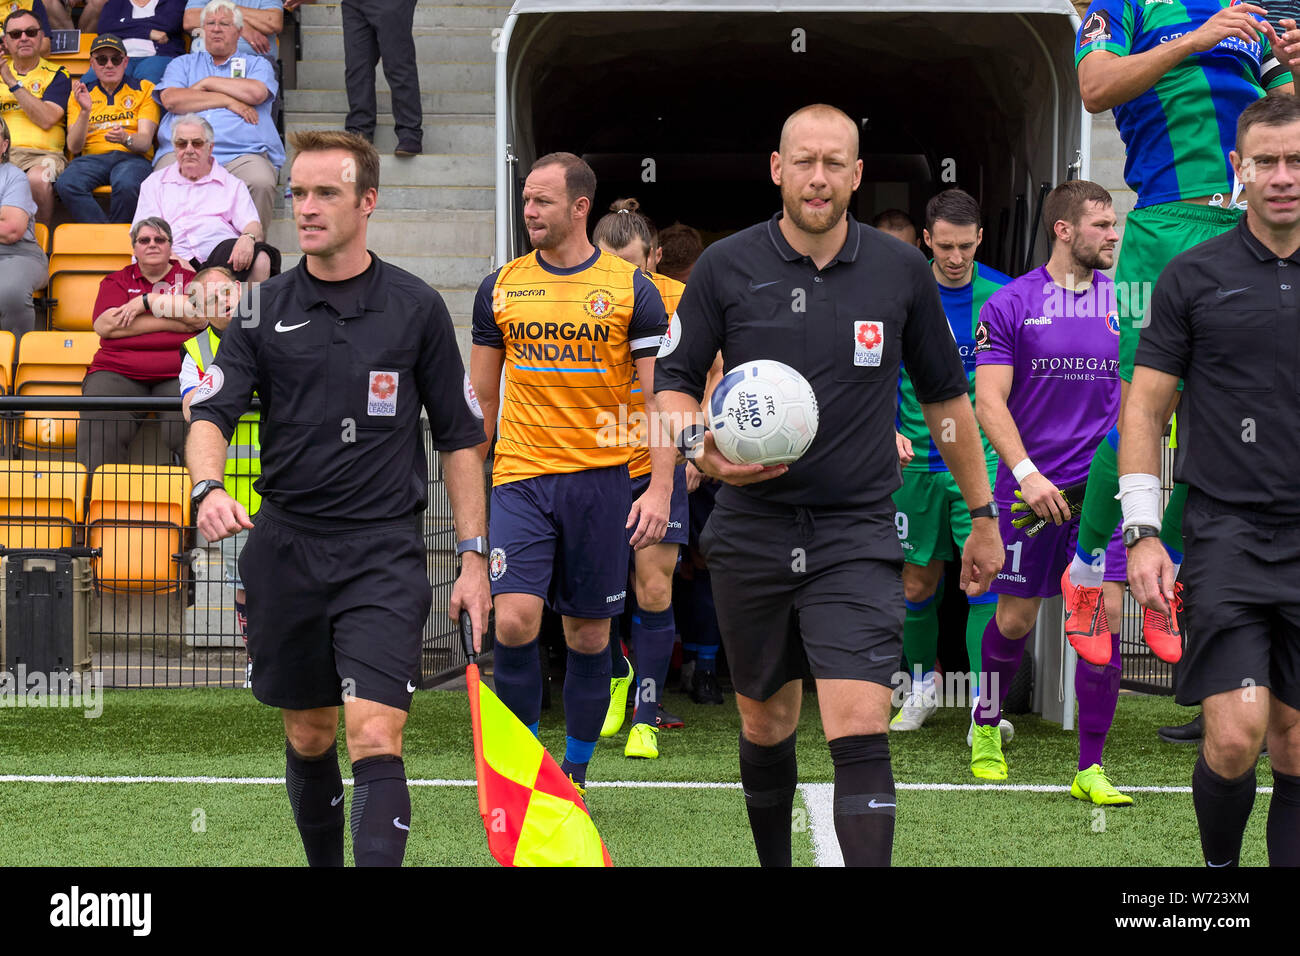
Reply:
x=653 y=636
x=586 y=701
x=517 y=674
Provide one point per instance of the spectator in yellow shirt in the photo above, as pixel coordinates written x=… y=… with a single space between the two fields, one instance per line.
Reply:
x=33 y=100
x=111 y=124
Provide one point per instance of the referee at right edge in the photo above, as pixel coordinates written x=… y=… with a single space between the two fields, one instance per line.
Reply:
x=1223 y=318
x=805 y=559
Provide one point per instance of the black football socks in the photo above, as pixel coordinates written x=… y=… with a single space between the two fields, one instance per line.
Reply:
x=381 y=811
x=315 y=788
x=1222 y=809
x=864 y=799
x=769 y=776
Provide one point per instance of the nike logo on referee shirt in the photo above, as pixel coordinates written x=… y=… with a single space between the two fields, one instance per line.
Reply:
x=755 y=286
x=1225 y=293
x=281 y=327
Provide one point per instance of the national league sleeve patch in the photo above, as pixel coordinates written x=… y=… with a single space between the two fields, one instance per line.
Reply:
x=668 y=343
x=471 y=399
x=381 y=398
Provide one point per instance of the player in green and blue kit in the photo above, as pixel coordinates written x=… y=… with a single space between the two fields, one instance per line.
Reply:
x=1177 y=75
x=931 y=515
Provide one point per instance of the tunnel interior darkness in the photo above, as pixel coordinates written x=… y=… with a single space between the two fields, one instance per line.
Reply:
x=682 y=110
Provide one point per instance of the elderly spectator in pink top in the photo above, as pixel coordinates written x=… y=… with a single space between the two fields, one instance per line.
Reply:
x=214 y=221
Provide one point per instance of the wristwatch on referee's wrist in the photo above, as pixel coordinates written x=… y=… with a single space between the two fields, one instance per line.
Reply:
x=478 y=545
x=989 y=510
x=1134 y=534
x=690 y=441
x=202 y=490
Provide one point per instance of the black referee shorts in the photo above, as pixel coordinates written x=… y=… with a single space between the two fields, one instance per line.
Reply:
x=334 y=613
x=1241 y=601
x=796 y=583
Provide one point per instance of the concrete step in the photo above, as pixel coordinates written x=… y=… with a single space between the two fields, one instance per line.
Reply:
x=445 y=100
x=431 y=45
x=442 y=134
x=327 y=73
x=462 y=231
x=440 y=271
x=430 y=170
x=485 y=15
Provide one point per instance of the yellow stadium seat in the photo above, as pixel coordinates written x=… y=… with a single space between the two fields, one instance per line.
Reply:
x=52 y=363
x=82 y=254
x=40 y=503
x=7 y=344
x=137 y=515
x=43 y=237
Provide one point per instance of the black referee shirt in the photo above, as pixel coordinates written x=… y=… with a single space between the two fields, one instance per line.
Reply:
x=1224 y=318
x=752 y=296
x=342 y=370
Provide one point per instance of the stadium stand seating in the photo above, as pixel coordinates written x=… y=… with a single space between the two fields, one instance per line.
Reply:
x=51 y=363
x=41 y=503
x=8 y=343
x=43 y=237
x=82 y=254
x=76 y=63
x=137 y=515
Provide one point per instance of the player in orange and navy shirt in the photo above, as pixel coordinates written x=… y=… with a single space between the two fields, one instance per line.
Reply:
x=625 y=232
x=568 y=325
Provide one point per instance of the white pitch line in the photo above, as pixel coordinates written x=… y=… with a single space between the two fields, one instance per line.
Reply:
x=613 y=784
x=819 y=798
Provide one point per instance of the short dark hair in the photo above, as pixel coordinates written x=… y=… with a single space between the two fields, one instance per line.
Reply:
x=1276 y=109
x=893 y=219
x=579 y=178
x=955 y=206
x=682 y=245
x=21 y=13
x=363 y=153
x=622 y=225
x=1067 y=202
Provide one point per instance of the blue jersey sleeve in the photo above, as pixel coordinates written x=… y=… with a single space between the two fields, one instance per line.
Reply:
x=485 y=330
x=1109 y=25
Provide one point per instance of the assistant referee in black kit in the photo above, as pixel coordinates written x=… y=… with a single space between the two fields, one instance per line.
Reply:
x=1224 y=318
x=343 y=351
x=805 y=559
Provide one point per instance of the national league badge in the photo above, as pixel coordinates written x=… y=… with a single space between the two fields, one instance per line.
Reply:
x=381 y=399
x=868 y=343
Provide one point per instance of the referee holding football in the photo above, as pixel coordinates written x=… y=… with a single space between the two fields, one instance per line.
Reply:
x=805 y=558
x=1223 y=318
x=343 y=352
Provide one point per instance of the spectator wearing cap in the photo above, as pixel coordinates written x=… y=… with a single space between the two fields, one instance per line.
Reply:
x=215 y=221
x=33 y=99
x=151 y=31
x=234 y=95
x=22 y=261
x=111 y=124
x=37 y=8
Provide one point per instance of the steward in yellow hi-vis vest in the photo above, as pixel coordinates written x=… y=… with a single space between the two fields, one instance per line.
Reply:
x=244 y=455
x=570 y=337
x=49 y=83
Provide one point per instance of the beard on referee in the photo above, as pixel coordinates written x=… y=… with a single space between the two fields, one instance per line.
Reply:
x=805 y=557
x=344 y=352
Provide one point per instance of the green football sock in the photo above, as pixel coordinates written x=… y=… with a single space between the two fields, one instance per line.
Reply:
x=1101 y=510
x=1171 y=525
x=921 y=635
x=977 y=620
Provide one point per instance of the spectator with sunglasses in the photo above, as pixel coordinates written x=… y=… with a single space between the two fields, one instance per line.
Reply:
x=37 y=7
x=150 y=30
x=111 y=124
x=33 y=99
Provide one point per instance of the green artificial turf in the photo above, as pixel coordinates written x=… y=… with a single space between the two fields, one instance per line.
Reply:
x=225 y=733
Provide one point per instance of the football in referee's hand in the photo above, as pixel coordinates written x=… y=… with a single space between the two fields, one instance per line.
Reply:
x=763 y=413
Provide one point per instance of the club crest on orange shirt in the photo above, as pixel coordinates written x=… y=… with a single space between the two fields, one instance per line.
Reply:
x=598 y=303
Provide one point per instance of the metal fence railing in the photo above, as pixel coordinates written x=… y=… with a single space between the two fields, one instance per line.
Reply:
x=101 y=479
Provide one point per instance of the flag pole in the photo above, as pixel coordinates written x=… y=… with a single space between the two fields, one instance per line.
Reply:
x=472 y=686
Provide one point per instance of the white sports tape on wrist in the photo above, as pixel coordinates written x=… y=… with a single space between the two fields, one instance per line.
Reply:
x=1139 y=495
x=1024 y=469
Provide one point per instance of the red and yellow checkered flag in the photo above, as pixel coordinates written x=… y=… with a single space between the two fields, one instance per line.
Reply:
x=530 y=809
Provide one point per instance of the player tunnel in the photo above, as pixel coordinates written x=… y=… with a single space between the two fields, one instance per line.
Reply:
x=680 y=104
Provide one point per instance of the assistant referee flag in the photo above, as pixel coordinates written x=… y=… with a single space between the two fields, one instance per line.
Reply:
x=530 y=809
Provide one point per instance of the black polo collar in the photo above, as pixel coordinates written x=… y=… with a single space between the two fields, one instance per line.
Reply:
x=309 y=293
x=848 y=252
x=1262 y=252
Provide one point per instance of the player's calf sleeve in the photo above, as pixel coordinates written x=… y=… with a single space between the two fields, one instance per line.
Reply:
x=1222 y=808
x=769 y=776
x=1171 y=525
x=864 y=799
x=653 y=636
x=381 y=811
x=921 y=635
x=999 y=660
x=1101 y=511
x=315 y=788
x=517 y=675
x=586 y=701
x=1097 y=691
x=1284 y=821
x=978 y=615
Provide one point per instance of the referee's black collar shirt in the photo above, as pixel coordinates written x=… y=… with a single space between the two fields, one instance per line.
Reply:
x=845 y=327
x=342 y=370
x=1225 y=317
